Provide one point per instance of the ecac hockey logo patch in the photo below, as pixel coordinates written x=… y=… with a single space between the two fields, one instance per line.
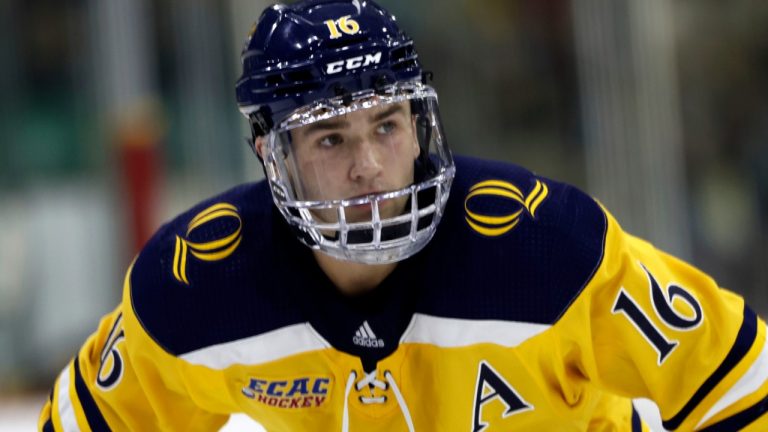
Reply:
x=493 y=207
x=289 y=393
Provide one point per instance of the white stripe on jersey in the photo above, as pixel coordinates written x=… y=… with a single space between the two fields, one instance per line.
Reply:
x=455 y=332
x=66 y=410
x=274 y=345
x=752 y=380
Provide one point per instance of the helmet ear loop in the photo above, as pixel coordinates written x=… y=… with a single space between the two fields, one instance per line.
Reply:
x=423 y=124
x=261 y=123
x=424 y=137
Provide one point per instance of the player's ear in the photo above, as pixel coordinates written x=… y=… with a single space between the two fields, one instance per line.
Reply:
x=258 y=146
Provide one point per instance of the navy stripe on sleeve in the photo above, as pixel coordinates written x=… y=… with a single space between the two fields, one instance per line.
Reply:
x=744 y=341
x=90 y=409
x=637 y=425
x=740 y=420
x=48 y=425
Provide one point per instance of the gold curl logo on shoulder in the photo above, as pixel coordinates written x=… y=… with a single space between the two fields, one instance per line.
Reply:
x=214 y=250
x=496 y=225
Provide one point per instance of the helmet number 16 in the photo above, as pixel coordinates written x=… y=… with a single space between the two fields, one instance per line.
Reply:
x=346 y=24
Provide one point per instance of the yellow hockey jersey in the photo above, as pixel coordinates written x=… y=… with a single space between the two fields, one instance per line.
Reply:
x=529 y=310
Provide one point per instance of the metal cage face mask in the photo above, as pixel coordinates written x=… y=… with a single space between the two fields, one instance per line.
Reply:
x=363 y=177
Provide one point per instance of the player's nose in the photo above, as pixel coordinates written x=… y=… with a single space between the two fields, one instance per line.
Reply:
x=366 y=161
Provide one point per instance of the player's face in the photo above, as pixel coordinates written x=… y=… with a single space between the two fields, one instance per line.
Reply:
x=364 y=152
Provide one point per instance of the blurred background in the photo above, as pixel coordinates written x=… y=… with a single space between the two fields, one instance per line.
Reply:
x=117 y=114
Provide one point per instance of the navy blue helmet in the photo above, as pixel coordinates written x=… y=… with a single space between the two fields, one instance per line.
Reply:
x=316 y=49
x=347 y=128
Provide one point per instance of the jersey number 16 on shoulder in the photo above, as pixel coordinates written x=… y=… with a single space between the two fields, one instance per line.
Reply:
x=662 y=305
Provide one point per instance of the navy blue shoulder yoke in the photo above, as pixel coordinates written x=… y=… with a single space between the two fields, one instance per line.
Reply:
x=215 y=273
x=511 y=246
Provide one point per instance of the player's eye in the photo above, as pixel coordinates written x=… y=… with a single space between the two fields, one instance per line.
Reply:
x=331 y=140
x=386 y=128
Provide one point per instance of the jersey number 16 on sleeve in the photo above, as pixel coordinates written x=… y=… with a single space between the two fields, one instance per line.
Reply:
x=662 y=305
x=111 y=366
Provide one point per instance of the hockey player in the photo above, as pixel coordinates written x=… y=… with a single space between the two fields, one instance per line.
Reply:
x=436 y=294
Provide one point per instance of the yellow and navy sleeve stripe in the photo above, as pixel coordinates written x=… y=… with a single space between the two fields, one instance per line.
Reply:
x=744 y=342
x=91 y=411
x=741 y=419
x=45 y=423
x=71 y=407
x=637 y=425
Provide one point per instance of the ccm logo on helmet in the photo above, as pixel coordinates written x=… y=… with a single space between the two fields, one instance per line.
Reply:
x=352 y=63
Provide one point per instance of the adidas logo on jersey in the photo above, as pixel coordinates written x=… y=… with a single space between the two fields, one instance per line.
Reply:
x=365 y=337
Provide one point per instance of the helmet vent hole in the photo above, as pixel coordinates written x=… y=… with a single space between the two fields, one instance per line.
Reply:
x=298 y=75
x=274 y=80
x=297 y=89
x=403 y=53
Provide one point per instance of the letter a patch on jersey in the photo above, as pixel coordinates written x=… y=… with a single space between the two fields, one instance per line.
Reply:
x=492 y=386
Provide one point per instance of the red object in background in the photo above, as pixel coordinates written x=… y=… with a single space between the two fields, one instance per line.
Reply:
x=141 y=175
x=139 y=137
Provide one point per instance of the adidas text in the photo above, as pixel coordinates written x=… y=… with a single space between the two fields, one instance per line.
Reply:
x=368 y=342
